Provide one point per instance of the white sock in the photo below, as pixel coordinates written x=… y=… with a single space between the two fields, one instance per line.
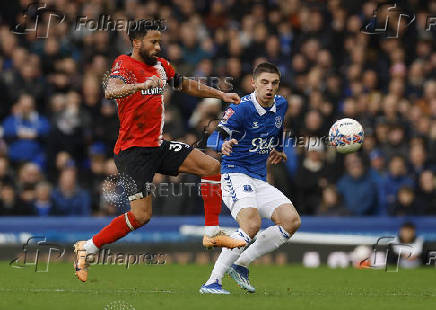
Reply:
x=227 y=258
x=90 y=247
x=266 y=241
x=211 y=230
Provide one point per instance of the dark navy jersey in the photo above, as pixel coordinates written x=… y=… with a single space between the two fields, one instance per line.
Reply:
x=258 y=130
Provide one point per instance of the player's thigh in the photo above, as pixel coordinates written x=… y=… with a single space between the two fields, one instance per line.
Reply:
x=269 y=199
x=238 y=192
x=200 y=164
x=136 y=168
x=173 y=154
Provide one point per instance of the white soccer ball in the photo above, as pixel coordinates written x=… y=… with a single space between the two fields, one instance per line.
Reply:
x=346 y=135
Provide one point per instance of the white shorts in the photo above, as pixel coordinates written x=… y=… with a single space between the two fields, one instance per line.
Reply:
x=242 y=191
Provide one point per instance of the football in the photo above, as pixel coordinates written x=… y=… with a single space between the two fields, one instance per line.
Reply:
x=346 y=135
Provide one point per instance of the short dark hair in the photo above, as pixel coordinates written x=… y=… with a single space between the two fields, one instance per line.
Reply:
x=138 y=29
x=265 y=67
x=408 y=225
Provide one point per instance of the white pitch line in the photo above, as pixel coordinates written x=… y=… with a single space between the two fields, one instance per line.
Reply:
x=93 y=291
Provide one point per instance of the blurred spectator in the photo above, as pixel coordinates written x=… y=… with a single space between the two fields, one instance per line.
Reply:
x=310 y=176
x=394 y=180
x=405 y=203
x=407 y=247
x=26 y=198
x=331 y=204
x=418 y=160
x=68 y=198
x=377 y=166
x=426 y=193
x=5 y=172
x=29 y=174
x=396 y=142
x=24 y=131
x=8 y=200
x=43 y=203
x=71 y=129
x=357 y=188
x=105 y=126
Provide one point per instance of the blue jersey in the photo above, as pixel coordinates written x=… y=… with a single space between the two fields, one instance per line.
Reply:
x=258 y=131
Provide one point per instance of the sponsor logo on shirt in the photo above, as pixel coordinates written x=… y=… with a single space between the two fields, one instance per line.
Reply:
x=263 y=145
x=153 y=91
x=278 y=121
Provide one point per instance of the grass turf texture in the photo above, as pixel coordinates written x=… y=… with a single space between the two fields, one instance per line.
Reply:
x=174 y=286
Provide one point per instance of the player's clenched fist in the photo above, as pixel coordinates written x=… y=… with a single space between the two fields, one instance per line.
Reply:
x=151 y=82
x=226 y=149
x=231 y=98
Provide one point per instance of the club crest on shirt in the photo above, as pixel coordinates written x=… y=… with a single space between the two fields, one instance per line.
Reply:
x=247 y=188
x=116 y=66
x=229 y=112
x=278 y=121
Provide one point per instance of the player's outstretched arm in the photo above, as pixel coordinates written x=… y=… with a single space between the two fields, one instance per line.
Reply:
x=116 y=88
x=197 y=89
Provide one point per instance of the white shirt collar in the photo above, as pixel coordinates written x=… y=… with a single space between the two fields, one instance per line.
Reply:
x=261 y=110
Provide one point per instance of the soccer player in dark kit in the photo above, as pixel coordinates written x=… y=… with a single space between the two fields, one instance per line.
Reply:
x=137 y=82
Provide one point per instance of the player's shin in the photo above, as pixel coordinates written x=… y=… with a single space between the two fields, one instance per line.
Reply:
x=267 y=241
x=211 y=194
x=118 y=228
x=227 y=258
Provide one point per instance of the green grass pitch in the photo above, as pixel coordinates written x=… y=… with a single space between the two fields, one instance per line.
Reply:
x=174 y=286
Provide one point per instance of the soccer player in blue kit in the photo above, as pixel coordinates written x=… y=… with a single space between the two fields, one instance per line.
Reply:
x=249 y=135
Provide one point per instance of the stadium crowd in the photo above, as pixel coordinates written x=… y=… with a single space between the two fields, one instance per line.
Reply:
x=57 y=131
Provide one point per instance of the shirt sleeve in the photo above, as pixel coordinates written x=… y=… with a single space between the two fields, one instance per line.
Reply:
x=279 y=147
x=232 y=120
x=215 y=141
x=173 y=77
x=120 y=70
x=169 y=69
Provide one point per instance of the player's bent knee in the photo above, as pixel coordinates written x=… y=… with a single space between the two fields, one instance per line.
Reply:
x=253 y=228
x=287 y=217
x=291 y=223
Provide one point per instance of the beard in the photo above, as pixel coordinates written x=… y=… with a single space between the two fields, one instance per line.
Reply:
x=149 y=60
